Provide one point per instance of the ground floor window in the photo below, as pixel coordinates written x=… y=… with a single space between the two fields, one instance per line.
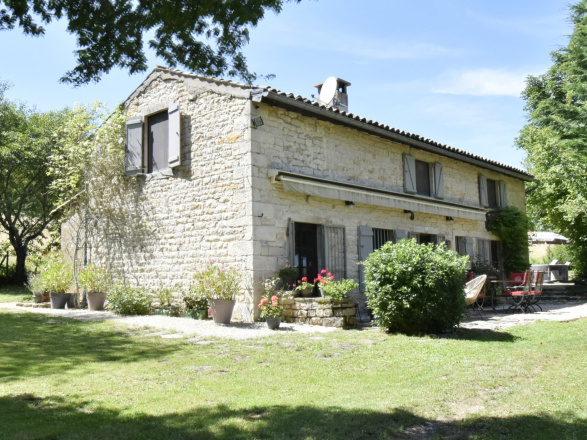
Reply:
x=314 y=247
x=382 y=236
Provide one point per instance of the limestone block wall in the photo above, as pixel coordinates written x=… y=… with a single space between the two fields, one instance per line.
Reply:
x=292 y=142
x=200 y=211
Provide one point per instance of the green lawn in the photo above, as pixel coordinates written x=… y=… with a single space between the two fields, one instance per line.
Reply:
x=65 y=379
x=15 y=294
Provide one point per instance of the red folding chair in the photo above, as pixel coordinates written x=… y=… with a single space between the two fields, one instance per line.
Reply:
x=517 y=296
x=536 y=293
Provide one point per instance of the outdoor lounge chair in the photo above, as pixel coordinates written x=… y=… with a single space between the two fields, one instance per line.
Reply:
x=473 y=288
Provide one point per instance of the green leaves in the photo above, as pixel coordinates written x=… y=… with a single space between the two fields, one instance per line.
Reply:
x=204 y=36
x=415 y=288
x=555 y=139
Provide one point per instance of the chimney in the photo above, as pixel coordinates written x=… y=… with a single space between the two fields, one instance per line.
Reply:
x=333 y=93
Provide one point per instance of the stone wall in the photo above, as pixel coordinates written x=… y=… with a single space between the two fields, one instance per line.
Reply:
x=293 y=142
x=198 y=212
x=321 y=311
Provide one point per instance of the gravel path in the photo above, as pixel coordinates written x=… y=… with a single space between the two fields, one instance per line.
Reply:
x=168 y=327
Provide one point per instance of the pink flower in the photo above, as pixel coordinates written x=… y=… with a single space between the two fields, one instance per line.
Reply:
x=305 y=279
x=274 y=300
x=329 y=274
x=323 y=271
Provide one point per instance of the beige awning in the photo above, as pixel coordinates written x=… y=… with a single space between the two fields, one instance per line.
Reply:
x=330 y=189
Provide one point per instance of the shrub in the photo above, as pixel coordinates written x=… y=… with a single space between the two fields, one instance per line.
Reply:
x=511 y=226
x=414 y=288
x=194 y=301
x=94 y=279
x=56 y=273
x=216 y=282
x=126 y=300
x=339 y=289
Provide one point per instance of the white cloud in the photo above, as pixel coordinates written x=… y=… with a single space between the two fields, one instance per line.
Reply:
x=483 y=82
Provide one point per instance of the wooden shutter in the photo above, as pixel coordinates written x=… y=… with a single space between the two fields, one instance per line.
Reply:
x=438 y=181
x=291 y=229
x=409 y=174
x=469 y=250
x=483 y=199
x=400 y=234
x=174 y=144
x=334 y=250
x=484 y=250
x=133 y=161
x=414 y=235
x=503 y=196
x=365 y=248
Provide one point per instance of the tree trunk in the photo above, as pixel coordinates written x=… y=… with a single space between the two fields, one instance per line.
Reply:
x=20 y=275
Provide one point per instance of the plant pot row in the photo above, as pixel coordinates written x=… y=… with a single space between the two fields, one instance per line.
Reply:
x=60 y=300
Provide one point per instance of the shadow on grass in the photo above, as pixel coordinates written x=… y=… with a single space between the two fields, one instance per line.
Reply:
x=33 y=417
x=34 y=345
x=483 y=335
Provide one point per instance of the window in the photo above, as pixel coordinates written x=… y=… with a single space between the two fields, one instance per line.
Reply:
x=153 y=141
x=315 y=247
x=381 y=236
x=492 y=193
x=423 y=178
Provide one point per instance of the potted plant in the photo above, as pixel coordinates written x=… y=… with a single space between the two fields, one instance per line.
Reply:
x=96 y=282
x=271 y=311
x=36 y=287
x=304 y=287
x=56 y=277
x=219 y=285
x=165 y=299
x=288 y=276
x=196 y=305
x=338 y=289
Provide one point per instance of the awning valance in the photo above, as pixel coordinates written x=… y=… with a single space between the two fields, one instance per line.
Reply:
x=330 y=189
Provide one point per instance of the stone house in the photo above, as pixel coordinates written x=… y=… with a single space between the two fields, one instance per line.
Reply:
x=257 y=178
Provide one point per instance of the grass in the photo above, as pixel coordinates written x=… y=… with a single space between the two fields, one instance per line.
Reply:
x=68 y=379
x=13 y=293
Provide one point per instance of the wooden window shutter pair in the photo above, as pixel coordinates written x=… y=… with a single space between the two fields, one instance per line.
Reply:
x=135 y=151
x=410 y=177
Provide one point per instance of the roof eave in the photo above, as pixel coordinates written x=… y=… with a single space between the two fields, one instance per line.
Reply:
x=324 y=113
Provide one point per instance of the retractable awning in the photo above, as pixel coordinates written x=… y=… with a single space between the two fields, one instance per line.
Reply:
x=330 y=189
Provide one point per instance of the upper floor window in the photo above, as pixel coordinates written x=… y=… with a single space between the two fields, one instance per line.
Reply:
x=492 y=193
x=423 y=178
x=153 y=141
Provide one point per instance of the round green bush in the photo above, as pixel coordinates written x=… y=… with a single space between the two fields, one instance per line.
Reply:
x=416 y=288
x=126 y=300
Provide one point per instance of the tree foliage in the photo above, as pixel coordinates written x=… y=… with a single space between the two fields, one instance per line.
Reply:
x=205 y=36
x=34 y=156
x=511 y=226
x=555 y=140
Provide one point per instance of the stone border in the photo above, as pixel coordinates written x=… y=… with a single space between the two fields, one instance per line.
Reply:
x=321 y=311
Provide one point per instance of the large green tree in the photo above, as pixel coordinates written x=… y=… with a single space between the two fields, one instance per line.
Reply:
x=555 y=139
x=204 y=36
x=35 y=150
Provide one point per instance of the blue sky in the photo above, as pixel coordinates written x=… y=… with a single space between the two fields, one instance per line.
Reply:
x=448 y=70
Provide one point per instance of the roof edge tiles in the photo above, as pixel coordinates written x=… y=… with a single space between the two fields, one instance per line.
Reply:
x=312 y=108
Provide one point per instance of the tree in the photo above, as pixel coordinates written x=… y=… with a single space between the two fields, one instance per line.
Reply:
x=205 y=36
x=34 y=151
x=555 y=140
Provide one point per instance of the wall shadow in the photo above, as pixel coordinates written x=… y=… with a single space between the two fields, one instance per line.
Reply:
x=34 y=344
x=34 y=417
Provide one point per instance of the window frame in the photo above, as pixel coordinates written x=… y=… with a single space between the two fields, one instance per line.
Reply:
x=137 y=156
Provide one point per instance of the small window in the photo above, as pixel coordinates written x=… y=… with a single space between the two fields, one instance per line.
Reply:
x=381 y=236
x=492 y=193
x=422 y=178
x=158 y=141
x=153 y=141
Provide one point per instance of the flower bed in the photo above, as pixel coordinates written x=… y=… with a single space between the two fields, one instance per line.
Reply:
x=320 y=311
